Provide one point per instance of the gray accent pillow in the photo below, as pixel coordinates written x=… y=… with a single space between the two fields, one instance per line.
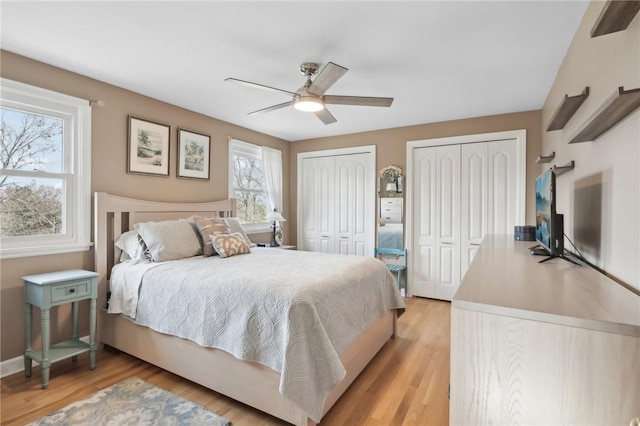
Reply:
x=235 y=226
x=169 y=239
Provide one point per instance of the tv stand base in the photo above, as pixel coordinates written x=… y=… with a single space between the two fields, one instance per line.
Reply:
x=561 y=256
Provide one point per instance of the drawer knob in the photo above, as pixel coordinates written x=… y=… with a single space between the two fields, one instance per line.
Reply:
x=72 y=290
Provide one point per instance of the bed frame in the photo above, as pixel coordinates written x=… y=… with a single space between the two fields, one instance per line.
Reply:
x=248 y=382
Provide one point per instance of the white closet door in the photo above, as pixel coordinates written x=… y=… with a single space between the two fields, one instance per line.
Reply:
x=473 y=201
x=437 y=222
x=424 y=275
x=461 y=189
x=448 y=219
x=308 y=204
x=318 y=204
x=336 y=203
x=326 y=210
x=353 y=189
x=488 y=194
x=502 y=188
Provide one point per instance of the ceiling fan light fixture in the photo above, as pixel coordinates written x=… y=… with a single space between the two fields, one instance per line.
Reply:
x=308 y=104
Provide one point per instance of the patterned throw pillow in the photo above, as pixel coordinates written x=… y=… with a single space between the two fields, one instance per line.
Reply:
x=207 y=226
x=228 y=245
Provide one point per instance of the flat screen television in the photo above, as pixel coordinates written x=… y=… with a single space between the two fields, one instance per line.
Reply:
x=549 y=224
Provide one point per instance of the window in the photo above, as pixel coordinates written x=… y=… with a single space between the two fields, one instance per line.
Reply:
x=250 y=187
x=45 y=171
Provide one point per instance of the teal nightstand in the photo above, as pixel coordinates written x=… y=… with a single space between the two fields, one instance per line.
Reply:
x=53 y=289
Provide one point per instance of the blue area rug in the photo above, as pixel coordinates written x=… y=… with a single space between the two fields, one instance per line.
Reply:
x=133 y=402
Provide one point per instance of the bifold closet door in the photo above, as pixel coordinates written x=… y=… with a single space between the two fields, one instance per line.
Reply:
x=337 y=204
x=462 y=192
x=473 y=200
x=318 y=207
x=502 y=194
x=488 y=194
x=353 y=189
x=436 y=220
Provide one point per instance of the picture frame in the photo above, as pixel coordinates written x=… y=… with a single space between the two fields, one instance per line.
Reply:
x=148 y=147
x=193 y=155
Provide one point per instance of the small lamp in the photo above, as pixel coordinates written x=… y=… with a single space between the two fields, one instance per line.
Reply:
x=274 y=217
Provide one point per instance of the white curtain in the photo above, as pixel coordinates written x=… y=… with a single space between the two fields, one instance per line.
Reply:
x=272 y=161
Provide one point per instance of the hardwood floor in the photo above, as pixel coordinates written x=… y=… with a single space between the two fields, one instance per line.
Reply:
x=405 y=384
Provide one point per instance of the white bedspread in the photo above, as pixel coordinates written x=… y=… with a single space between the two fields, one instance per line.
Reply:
x=292 y=311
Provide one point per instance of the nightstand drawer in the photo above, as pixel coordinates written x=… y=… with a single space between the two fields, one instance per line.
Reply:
x=70 y=291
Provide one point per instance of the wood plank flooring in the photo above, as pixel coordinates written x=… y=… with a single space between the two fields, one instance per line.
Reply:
x=405 y=384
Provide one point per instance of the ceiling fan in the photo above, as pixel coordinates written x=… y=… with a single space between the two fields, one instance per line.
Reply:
x=311 y=96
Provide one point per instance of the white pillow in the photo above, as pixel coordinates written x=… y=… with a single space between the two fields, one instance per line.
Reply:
x=169 y=240
x=130 y=246
x=234 y=226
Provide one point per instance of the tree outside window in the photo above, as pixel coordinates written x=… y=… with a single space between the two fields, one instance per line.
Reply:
x=30 y=146
x=249 y=189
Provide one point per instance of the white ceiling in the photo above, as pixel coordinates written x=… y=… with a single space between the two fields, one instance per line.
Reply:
x=439 y=60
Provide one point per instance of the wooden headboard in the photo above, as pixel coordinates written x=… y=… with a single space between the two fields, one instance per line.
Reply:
x=114 y=215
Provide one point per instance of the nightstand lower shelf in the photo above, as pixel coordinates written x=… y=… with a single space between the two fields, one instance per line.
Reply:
x=60 y=351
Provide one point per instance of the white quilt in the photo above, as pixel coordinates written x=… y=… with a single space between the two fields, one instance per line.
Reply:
x=292 y=311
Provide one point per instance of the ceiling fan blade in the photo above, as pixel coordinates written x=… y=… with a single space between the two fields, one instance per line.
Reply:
x=325 y=116
x=358 y=100
x=258 y=86
x=272 y=108
x=327 y=77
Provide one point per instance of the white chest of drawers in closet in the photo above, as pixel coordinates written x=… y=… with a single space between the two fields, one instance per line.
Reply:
x=391 y=210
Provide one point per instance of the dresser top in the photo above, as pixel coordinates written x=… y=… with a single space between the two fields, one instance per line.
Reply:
x=505 y=279
x=59 y=276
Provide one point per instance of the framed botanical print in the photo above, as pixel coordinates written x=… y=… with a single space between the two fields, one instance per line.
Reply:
x=148 y=151
x=193 y=154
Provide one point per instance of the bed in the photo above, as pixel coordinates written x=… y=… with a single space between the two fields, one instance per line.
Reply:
x=390 y=236
x=268 y=384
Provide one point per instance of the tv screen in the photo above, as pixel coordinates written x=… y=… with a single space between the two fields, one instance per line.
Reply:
x=545 y=208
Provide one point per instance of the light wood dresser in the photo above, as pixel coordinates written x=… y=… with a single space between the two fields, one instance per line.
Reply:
x=535 y=344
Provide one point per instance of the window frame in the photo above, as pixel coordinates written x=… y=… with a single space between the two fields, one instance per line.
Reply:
x=75 y=173
x=246 y=149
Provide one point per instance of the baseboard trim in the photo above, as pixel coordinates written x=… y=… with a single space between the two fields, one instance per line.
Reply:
x=15 y=365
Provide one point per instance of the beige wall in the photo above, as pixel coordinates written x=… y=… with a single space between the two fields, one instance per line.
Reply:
x=391 y=146
x=600 y=198
x=108 y=163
